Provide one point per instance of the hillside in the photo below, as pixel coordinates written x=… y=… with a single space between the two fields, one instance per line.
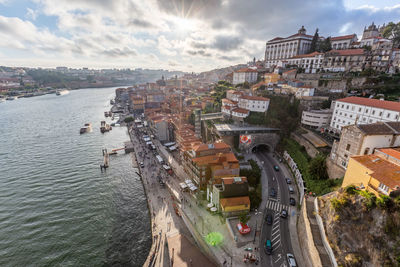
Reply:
x=363 y=230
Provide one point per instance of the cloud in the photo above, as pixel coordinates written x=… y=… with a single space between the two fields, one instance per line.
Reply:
x=117 y=52
x=227 y=43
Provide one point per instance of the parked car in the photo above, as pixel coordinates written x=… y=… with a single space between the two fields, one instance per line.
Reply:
x=141 y=164
x=243 y=228
x=291 y=190
x=291 y=260
x=284 y=213
x=272 y=193
x=268 y=247
x=292 y=201
x=269 y=219
x=288 y=181
x=276 y=168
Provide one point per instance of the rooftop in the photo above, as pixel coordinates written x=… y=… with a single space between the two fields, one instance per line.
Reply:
x=234 y=201
x=234 y=180
x=246 y=70
x=313 y=54
x=241 y=110
x=204 y=147
x=344 y=37
x=233 y=128
x=216 y=159
x=257 y=98
x=390 y=105
x=347 y=52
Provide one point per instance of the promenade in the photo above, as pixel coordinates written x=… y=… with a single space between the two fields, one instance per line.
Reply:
x=165 y=221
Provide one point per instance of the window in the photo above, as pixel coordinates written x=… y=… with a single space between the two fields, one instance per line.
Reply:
x=347 y=107
x=366 y=150
x=383 y=188
x=373 y=112
x=359 y=110
x=380 y=113
x=363 y=119
x=366 y=110
x=346 y=156
x=348 y=147
x=388 y=115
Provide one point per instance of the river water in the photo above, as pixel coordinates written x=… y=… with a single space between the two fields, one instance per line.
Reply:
x=56 y=207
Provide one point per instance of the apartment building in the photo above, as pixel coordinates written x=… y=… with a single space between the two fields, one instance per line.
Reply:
x=311 y=63
x=316 y=119
x=353 y=109
x=363 y=139
x=378 y=173
x=345 y=60
x=343 y=42
x=245 y=75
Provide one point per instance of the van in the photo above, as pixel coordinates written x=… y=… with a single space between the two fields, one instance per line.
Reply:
x=268 y=247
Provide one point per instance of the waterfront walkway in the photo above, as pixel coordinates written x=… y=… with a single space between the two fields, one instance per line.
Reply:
x=166 y=222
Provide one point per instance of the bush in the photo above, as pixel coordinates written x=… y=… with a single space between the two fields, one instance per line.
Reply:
x=255 y=198
x=128 y=119
x=317 y=168
x=385 y=202
x=339 y=203
x=253 y=175
x=350 y=189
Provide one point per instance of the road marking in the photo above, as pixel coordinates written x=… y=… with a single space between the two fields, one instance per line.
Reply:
x=279 y=257
x=273 y=230
x=273 y=239
x=276 y=206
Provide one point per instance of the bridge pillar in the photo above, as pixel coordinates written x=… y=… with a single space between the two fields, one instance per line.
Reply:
x=197 y=123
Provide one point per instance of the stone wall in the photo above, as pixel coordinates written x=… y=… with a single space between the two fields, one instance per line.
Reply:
x=311 y=150
x=334 y=171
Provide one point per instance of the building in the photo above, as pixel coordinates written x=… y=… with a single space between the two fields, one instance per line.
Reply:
x=381 y=55
x=343 y=42
x=254 y=103
x=240 y=108
x=353 y=109
x=345 y=60
x=316 y=119
x=208 y=163
x=363 y=139
x=234 y=95
x=231 y=196
x=378 y=173
x=311 y=63
x=245 y=75
x=271 y=77
x=137 y=103
x=281 y=49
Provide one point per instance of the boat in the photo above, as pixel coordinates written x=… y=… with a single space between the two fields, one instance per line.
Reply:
x=2 y=100
x=104 y=127
x=62 y=92
x=86 y=129
x=112 y=102
x=11 y=98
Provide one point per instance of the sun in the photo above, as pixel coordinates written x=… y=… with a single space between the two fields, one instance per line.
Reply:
x=183 y=25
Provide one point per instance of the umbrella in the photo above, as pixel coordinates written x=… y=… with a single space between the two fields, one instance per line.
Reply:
x=209 y=205
x=213 y=209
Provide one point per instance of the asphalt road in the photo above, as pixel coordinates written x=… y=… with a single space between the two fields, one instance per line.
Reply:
x=278 y=232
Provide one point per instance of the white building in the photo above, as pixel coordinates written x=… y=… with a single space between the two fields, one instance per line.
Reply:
x=281 y=49
x=304 y=90
x=343 y=42
x=233 y=95
x=316 y=118
x=349 y=110
x=311 y=63
x=245 y=75
x=254 y=103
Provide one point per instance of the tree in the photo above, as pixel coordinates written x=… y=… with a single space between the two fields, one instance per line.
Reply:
x=326 y=104
x=314 y=42
x=128 y=119
x=325 y=45
x=392 y=31
x=317 y=168
x=244 y=217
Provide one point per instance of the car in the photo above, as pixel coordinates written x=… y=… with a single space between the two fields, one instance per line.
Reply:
x=243 y=228
x=141 y=164
x=288 y=181
x=292 y=201
x=284 y=213
x=291 y=190
x=276 y=168
x=272 y=193
x=291 y=260
x=269 y=219
x=268 y=247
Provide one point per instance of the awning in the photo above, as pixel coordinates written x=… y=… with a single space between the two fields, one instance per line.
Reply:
x=209 y=205
x=183 y=185
x=213 y=209
x=166 y=167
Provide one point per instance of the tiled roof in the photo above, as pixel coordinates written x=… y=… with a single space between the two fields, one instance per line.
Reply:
x=375 y=128
x=257 y=98
x=395 y=125
x=214 y=159
x=234 y=201
x=383 y=170
x=231 y=180
x=347 y=52
x=228 y=101
x=313 y=54
x=344 y=37
x=204 y=147
x=241 y=110
x=389 y=105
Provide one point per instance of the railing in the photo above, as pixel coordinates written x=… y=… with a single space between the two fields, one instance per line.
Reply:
x=299 y=178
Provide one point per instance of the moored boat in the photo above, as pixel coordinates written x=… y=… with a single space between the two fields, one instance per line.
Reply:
x=62 y=92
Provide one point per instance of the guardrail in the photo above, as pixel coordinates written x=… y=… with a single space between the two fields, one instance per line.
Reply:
x=299 y=178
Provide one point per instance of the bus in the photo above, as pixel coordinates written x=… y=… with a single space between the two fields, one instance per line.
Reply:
x=160 y=159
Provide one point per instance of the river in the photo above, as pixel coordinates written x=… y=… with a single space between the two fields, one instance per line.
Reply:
x=57 y=208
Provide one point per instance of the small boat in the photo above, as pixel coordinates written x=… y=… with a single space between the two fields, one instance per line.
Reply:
x=62 y=92
x=86 y=129
x=112 y=102
x=2 y=100
x=11 y=98
x=104 y=127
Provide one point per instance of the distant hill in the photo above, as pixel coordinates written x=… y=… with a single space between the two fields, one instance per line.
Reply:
x=219 y=74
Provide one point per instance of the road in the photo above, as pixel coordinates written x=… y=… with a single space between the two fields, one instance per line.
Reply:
x=278 y=232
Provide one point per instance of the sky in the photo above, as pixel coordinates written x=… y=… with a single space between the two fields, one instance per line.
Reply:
x=186 y=35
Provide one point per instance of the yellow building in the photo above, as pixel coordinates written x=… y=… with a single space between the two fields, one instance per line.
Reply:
x=235 y=204
x=271 y=77
x=378 y=173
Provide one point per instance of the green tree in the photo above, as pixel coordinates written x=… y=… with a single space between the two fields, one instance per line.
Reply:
x=326 y=104
x=392 y=32
x=191 y=118
x=317 y=168
x=325 y=45
x=244 y=217
x=128 y=119
x=314 y=42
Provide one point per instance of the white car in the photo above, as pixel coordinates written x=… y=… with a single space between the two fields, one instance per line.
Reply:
x=291 y=260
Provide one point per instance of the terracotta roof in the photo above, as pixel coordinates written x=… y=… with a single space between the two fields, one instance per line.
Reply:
x=300 y=34
x=228 y=101
x=204 y=147
x=395 y=125
x=226 y=107
x=390 y=105
x=393 y=152
x=241 y=110
x=290 y=70
x=234 y=201
x=246 y=70
x=234 y=92
x=276 y=39
x=383 y=170
x=313 y=54
x=215 y=159
x=347 y=52
x=231 y=180
x=257 y=98
x=344 y=37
